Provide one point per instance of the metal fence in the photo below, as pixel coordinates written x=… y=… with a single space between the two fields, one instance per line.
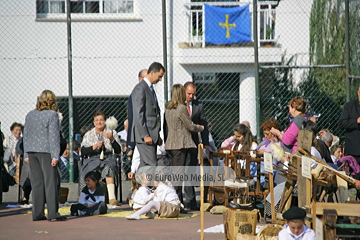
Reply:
x=301 y=52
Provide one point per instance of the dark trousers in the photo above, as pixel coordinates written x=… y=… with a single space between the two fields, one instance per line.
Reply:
x=44 y=180
x=147 y=154
x=178 y=157
x=189 y=191
x=97 y=209
x=27 y=191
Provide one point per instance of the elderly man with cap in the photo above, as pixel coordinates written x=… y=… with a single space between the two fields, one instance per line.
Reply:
x=295 y=227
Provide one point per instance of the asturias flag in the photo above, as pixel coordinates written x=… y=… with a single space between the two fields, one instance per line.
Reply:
x=227 y=25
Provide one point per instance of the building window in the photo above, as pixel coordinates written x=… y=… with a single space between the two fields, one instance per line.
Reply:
x=85 y=6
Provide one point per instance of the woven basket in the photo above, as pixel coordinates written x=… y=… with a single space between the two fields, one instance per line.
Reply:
x=269 y=232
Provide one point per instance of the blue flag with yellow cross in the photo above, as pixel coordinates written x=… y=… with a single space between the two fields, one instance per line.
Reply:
x=227 y=25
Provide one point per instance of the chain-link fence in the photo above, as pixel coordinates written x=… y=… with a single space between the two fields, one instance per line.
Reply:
x=301 y=52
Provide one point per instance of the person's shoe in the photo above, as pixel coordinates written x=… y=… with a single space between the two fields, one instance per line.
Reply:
x=182 y=210
x=150 y=215
x=40 y=219
x=61 y=218
x=113 y=202
x=133 y=217
x=24 y=201
x=80 y=213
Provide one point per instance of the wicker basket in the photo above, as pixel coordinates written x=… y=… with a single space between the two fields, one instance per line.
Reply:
x=269 y=232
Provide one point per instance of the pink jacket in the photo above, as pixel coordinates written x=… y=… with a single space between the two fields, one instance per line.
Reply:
x=290 y=136
x=229 y=142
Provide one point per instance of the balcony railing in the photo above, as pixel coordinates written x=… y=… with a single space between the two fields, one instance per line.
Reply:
x=266 y=21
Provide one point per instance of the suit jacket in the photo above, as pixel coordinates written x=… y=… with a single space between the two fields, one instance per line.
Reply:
x=348 y=121
x=145 y=113
x=198 y=117
x=42 y=133
x=129 y=140
x=179 y=125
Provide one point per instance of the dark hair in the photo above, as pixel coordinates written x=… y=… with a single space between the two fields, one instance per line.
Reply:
x=99 y=113
x=15 y=124
x=189 y=84
x=76 y=145
x=93 y=175
x=156 y=67
x=248 y=137
x=311 y=126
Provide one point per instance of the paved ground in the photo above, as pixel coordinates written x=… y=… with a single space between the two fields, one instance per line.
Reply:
x=14 y=225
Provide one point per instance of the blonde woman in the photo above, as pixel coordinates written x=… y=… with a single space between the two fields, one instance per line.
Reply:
x=42 y=150
x=177 y=129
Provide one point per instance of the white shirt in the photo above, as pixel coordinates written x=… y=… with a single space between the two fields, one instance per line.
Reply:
x=64 y=160
x=122 y=134
x=165 y=193
x=147 y=82
x=307 y=234
x=316 y=154
x=141 y=197
x=89 y=201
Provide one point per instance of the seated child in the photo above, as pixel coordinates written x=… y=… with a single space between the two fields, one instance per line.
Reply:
x=295 y=227
x=166 y=201
x=92 y=197
x=141 y=194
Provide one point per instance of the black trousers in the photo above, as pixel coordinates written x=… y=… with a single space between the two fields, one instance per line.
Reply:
x=44 y=180
x=189 y=191
x=97 y=209
x=178 y=157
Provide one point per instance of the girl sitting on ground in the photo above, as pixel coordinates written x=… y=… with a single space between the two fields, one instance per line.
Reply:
x=141 y=194
x=92 y=197
x=166 y=201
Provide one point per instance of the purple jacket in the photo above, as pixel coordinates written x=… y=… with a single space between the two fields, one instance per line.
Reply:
x=354 y=166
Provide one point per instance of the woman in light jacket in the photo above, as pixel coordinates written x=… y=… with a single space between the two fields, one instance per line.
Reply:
x=177 y=129
x=42 y=149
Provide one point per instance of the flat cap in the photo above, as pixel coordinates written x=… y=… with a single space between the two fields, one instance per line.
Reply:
x=294 y=213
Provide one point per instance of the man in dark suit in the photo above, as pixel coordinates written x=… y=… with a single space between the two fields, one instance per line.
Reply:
x=132 y=153
x=350 y=121
x=197 y=115
x=146 y=115
x=129 y=143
